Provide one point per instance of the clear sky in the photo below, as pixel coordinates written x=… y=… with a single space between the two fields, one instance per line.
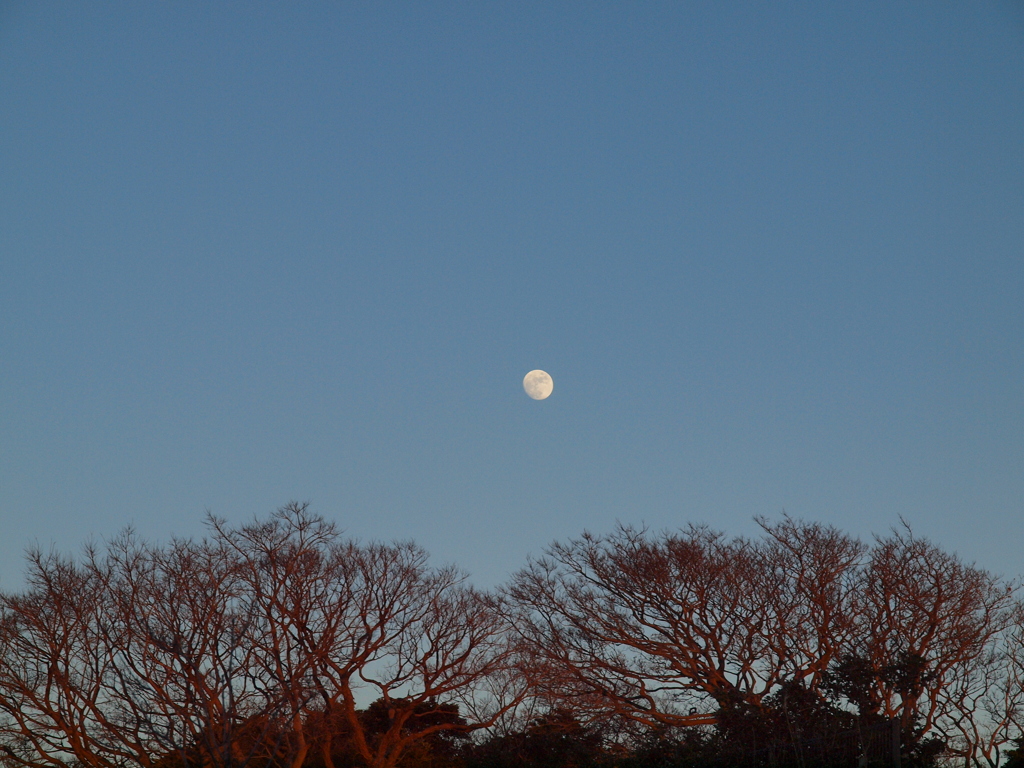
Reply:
x=771 y=253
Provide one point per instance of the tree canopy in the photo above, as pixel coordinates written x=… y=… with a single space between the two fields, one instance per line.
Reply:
x=281 y=642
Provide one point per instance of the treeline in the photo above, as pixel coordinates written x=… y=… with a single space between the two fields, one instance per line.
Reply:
x=282 y=644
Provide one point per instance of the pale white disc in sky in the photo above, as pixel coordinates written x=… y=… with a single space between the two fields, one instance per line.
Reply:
x=538 y=384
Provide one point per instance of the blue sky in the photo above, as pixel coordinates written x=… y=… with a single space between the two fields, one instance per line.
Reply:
x=771 y=253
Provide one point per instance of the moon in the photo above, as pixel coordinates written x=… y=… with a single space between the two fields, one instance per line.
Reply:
x=538 y=384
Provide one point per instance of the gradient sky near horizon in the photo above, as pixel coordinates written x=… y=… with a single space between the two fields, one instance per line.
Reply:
x=771 y=253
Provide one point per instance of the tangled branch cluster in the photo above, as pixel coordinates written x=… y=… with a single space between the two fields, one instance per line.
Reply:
x=264 y=644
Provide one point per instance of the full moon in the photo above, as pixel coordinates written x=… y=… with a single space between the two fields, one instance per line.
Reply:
x=538 y=384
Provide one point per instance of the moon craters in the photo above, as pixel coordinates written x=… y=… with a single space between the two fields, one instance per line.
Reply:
x=538 y=384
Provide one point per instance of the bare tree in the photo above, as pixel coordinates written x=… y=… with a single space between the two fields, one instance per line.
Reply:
x=242 y=648
x=660 y=630
x=265 y=644
x=812 y=581
x=670 y=630
x=930 y=611
x=981 y=704
x=685 y=628
x=57 y=658
x=339 y=624
x=183 y=664
x=1015 y=667
x=128 y=656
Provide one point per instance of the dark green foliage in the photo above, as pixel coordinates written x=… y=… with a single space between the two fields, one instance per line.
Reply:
x=556 y=740
x=1015 y=756
x=675 y=748
x=860 y=681
x=793 y=728
x=439 y=748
